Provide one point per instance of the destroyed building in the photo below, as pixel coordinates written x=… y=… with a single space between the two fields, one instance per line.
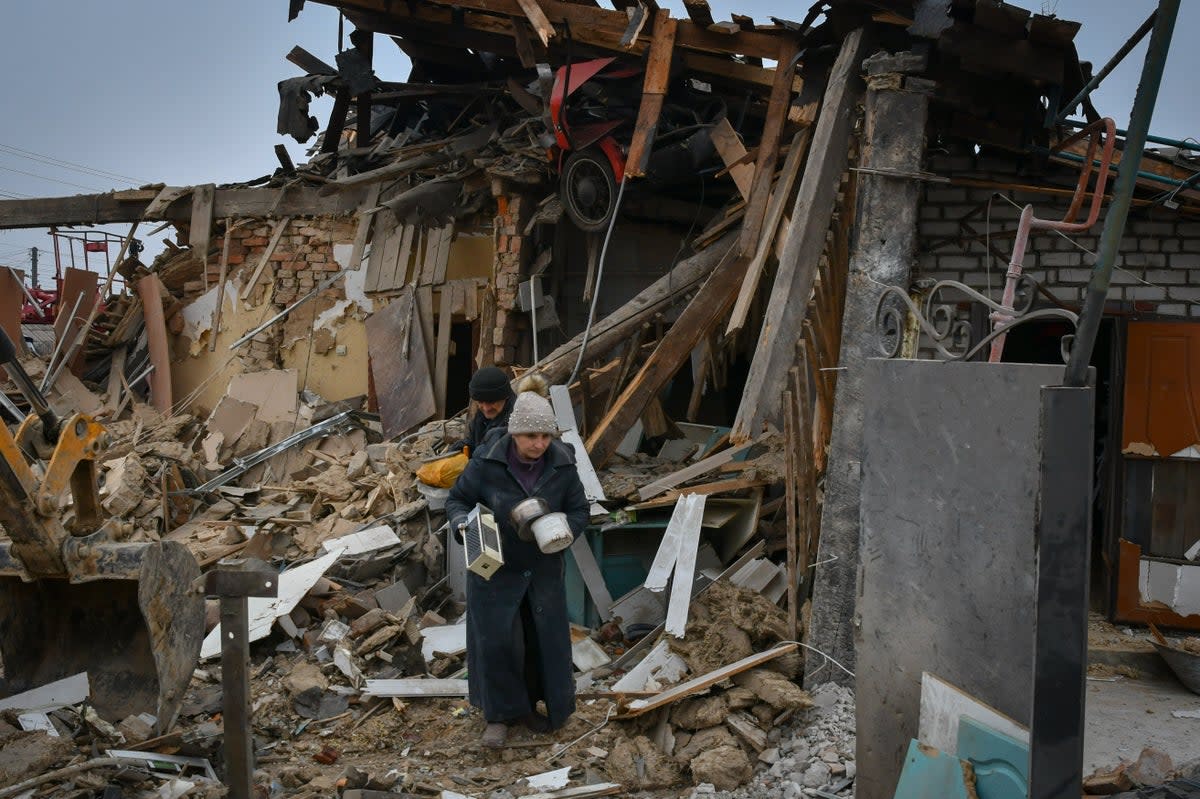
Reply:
x=797 y=285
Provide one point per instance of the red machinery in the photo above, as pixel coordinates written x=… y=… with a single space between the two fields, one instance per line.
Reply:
x=41 y=306
x=593 y=108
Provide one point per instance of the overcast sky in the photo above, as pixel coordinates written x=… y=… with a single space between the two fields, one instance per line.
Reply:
x=110 y=95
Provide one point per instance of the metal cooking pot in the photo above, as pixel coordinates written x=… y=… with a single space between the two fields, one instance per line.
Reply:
x=525 y=513
x=552 y=532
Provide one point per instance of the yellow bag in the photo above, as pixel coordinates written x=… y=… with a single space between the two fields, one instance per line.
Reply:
x=444 y=471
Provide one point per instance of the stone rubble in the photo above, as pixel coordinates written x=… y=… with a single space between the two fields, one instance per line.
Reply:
x=813 y=757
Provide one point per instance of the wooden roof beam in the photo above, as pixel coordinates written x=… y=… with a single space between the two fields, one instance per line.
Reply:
x=589 y=24
x=101 y=209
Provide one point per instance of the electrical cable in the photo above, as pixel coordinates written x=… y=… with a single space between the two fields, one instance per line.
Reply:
x=52 y=180
x=587 y=330
x=1165 y=289
x=70 y=165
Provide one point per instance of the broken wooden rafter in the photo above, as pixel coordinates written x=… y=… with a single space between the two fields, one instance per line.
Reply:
x=699 y=12
x=727 y=70
x=719 y=487
x=768 y=148
x=598 y=27
x=704 y=311
x=733 y=153
x=309 y=62
x=654 y=90
x=610 y=331
x=99 y=209
x=537 y=18
x=779 y=198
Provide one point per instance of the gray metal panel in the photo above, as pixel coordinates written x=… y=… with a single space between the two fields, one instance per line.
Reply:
x=947 y=583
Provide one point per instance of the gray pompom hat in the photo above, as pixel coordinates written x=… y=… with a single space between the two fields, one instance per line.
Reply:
x=532 y=413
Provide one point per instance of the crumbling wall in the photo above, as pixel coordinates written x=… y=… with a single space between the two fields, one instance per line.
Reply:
x=324 y=339
x=1159 y=264
x=510 y=239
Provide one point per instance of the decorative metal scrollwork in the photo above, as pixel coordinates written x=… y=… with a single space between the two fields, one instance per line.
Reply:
x=937 y=320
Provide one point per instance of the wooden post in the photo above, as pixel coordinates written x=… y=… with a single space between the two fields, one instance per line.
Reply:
x=790 y=494
x=654 y=89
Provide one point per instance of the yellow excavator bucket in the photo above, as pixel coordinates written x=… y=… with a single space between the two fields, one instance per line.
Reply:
x=73 y=597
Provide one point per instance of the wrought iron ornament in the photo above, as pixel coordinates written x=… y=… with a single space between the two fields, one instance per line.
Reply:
x=938 y=322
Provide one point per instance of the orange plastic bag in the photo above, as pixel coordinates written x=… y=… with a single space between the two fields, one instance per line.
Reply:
x=444 y=471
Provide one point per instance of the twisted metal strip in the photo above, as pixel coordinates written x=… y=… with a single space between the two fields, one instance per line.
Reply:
x=937 y=322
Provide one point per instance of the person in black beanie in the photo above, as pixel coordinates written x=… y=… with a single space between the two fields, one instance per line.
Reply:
x=494 y=397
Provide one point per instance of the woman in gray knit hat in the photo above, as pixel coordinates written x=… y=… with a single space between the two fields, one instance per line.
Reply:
x=518 y=636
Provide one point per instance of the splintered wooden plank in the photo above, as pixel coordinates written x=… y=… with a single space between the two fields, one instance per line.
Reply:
x=648 y=640
x=537 y=18
x=377 y=268
x=694 y=686
x=699 y=12
x=811 y=215
x=200 y=230
x=442 y=357
x=733 y=152
x=166 y=196
x=441 y=258
x=779 y=198
x=685 y=566
x=654 y=89
x=424 y=303
x=415 y=687
x=393 y=268
x=404 y=258
x=365 y=219
x=564 y=412
x=768 y=148
x=402 y=382
x=701 y=315
x=684 y=518
x=688 y=472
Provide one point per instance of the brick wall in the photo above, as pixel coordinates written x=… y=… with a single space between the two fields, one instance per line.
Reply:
x=511 y=211
x=302 y=259
x=1161 y=247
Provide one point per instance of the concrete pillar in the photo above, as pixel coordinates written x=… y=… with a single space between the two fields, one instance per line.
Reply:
x=885 y=236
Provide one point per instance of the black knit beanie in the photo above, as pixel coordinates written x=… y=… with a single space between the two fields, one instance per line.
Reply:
x=489 y=384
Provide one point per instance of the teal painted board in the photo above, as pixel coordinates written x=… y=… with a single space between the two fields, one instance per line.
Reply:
x=1001 y=762
x=929 y=773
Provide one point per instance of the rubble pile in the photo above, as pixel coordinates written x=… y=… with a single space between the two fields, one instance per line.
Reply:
x=376 y=605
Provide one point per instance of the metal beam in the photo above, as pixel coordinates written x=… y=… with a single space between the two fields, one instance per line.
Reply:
x=1114 y=221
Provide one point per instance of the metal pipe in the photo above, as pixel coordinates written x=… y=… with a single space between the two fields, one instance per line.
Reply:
x=1183 y=145
x=1138 y=35
x=51 y=369
x=1098 y=131
x=1114 y=222
x=1117 y=166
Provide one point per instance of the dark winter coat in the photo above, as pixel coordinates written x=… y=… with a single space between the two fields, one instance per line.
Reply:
x=518 y=636
x=480 y=426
